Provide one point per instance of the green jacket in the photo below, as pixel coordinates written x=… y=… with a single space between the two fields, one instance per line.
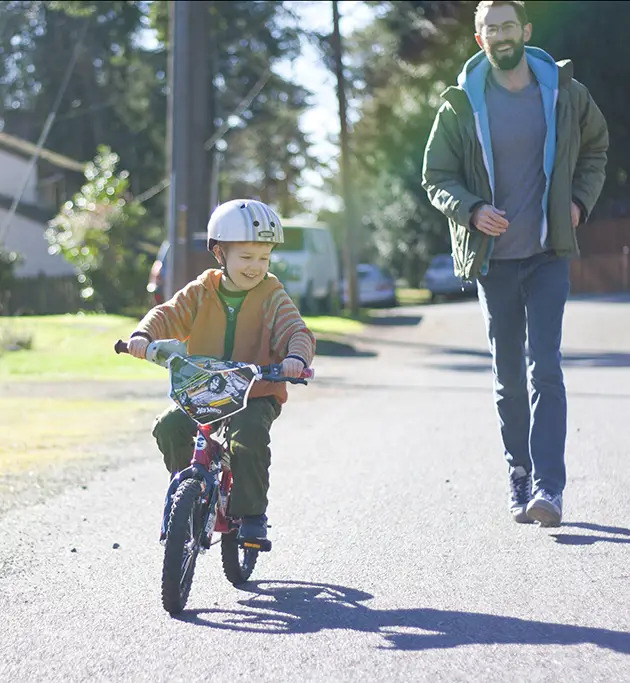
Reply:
x=458 y=169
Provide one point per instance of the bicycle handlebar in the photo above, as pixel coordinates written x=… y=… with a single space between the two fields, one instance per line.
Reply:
x=121 y=346
x=270 y=373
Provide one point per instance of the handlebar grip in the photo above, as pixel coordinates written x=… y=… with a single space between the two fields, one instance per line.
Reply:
x=121 y=347
x=273 y=373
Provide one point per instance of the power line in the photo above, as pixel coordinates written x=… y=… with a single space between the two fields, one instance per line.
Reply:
x=44 y=134
x=249 y=98
x=152 y=191
x=212 y=141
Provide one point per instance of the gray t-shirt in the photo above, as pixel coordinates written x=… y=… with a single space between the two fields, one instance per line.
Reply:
x=517 y=131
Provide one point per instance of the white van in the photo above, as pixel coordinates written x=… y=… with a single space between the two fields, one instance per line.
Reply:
x=308 y=266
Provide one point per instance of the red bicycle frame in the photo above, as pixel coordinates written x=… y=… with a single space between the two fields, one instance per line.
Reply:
x=207 y=452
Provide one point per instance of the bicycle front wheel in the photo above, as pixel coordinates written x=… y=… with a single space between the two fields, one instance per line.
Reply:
x=183 y=541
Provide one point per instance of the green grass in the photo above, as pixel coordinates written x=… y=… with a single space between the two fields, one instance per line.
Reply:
x=36 y=431
x=71 y=347
x=75 y=347
x=412 y=297
x=326 y=325
x=40 y=432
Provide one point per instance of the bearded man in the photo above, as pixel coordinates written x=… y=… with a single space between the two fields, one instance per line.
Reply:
x=515 y=161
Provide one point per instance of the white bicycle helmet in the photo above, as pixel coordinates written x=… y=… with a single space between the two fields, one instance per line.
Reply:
x=244 y=220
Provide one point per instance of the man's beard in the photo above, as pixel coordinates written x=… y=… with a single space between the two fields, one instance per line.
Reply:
x=509 y=61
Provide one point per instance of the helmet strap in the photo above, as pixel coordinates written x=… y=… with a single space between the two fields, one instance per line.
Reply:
x=222 y=259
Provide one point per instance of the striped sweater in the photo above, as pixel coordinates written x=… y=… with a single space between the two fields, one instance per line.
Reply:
x=268 y=326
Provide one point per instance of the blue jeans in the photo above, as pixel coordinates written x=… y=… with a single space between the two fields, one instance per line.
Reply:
x=524 y=299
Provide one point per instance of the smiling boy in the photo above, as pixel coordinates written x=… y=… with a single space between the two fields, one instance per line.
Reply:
x=242 y=313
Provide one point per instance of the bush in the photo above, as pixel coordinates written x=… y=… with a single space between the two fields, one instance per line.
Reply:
x=10 y=340
x=99 y=231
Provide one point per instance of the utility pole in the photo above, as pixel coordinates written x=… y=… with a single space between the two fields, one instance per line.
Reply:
x=188 y=126
x=346 y=179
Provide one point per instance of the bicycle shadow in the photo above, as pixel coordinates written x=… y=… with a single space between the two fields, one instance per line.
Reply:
x=299 y=607
x=581 y=539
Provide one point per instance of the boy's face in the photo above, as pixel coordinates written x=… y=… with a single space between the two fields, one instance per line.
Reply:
x=247 y=263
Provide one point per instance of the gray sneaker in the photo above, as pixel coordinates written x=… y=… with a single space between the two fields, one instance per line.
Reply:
x=520 y=494
x=545 y=508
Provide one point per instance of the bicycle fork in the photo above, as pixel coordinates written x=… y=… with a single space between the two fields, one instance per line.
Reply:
x=205 y=466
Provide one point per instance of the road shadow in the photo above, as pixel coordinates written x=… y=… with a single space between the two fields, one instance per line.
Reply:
x=591 y=526
x=483 y=359
x=395 y=320
x=331 y=347
x=347 y=349
x=611 y=298
x=597 y=360
x=580 y=539
x=298 y=607
x=583 y=539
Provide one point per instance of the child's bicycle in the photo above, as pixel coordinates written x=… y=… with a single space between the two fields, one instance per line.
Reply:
x=197 y=500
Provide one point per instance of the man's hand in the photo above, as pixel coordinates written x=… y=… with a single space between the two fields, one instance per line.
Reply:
x=137 y=347
x=576 y=215
x=292 y=367
x=489 y=220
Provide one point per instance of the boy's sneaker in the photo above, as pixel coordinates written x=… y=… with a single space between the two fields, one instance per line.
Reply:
x=253 y=527
x=546 y=508
x=520 y=494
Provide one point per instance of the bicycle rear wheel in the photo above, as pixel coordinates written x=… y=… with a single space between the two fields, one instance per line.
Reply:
x=238 y=563
x=183 y=539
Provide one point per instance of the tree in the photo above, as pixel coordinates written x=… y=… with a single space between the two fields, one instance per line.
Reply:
x=101 y=231
x=410 y=54
x=398 y=67
x=593 y=35
x=263 y=151
x=116 y=92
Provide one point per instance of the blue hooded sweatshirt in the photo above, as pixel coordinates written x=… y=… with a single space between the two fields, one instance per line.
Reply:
x=472 y=80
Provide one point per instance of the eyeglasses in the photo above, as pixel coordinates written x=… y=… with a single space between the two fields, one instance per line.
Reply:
x=507 y=27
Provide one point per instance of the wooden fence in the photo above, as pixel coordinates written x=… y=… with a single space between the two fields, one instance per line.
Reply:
x=41 y=296
x=601 y=273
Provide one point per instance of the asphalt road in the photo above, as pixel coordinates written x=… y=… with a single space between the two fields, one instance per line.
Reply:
x=394 y=557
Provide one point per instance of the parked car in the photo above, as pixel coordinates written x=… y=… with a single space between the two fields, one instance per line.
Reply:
x=308 y=266
x=440 y=279
x=375 y=286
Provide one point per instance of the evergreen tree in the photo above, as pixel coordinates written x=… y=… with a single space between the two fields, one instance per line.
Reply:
x=410 y=54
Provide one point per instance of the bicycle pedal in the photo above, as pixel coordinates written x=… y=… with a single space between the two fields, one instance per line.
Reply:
x=263 y=545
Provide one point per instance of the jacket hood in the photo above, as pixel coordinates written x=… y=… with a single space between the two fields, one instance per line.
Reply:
x=476 y=64
x=471 y=85
x=472 y=77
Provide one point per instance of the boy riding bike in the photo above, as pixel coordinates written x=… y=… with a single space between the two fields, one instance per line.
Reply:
x=242 y=313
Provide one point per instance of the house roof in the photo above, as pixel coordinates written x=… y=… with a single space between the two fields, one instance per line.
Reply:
x=28 y=149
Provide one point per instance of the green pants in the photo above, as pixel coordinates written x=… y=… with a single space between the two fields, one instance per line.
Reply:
x=249 y=452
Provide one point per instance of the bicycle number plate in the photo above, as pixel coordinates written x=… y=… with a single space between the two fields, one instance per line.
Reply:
x=209 y=390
